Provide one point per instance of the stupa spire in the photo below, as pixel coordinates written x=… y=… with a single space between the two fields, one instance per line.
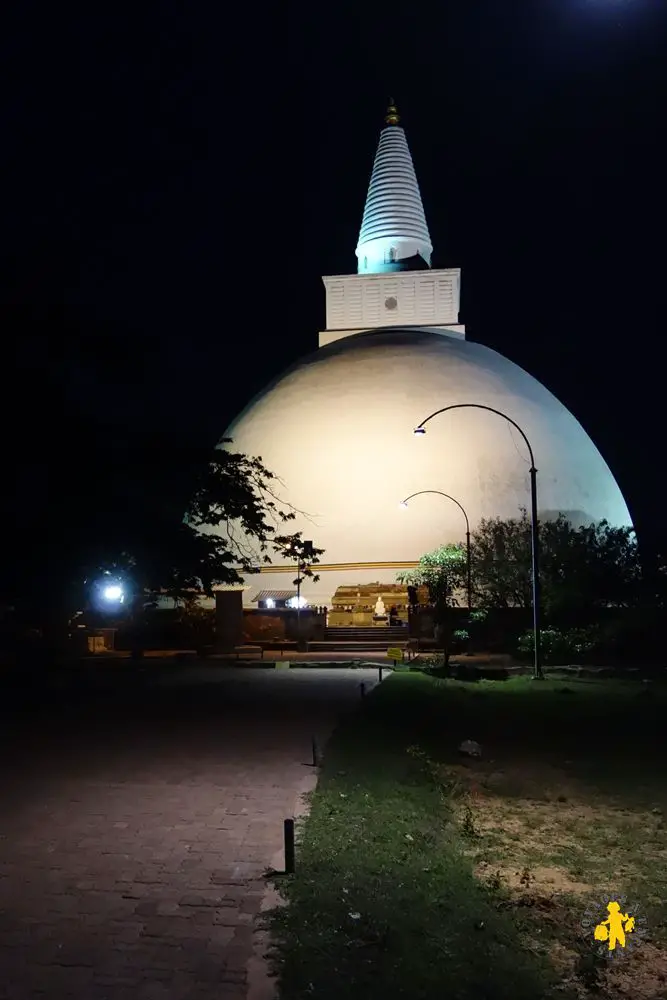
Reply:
x=394 y=235
x=392 y=117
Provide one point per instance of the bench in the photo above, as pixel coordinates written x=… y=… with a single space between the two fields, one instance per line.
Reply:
x=239 y=650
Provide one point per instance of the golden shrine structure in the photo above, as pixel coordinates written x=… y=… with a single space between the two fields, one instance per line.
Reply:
x=356 y=606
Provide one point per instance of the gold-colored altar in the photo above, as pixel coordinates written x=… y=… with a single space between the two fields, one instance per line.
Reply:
x=355 y=606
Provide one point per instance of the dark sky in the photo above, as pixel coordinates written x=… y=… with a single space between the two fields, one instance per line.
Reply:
x=176 y=179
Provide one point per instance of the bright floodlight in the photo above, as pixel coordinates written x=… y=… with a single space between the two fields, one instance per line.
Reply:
x=113 y=593
x=419 y=430
x=270 y=603
x=297 y=602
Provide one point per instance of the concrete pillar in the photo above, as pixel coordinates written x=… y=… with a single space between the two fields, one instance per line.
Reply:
x=228 y=619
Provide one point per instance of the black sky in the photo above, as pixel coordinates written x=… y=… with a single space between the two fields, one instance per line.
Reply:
x=157 y=161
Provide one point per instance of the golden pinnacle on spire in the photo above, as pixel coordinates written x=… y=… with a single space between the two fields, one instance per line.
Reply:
x=392 y=117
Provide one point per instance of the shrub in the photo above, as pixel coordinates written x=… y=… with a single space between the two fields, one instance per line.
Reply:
x=628 y=638
x=561 y=646
x=434 y=665
x=460 y=640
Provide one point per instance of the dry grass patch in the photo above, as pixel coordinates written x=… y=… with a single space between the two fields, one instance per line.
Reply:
x=550 y=843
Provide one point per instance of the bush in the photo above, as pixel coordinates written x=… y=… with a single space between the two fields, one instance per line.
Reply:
x=635 y=636
x=632 y=637
x=562 y=646
x=434 y=665
x=460 y=640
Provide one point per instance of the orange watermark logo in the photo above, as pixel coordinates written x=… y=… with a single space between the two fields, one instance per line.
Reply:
x=613 y=926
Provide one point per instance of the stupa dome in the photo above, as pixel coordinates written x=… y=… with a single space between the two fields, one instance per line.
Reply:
x=337 y=428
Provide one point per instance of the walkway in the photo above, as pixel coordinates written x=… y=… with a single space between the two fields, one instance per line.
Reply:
x=135 y=828
x=270 y=656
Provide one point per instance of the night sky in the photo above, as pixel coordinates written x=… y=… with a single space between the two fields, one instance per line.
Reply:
x=157 y=164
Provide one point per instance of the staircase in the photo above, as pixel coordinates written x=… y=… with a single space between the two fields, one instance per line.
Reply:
x=362 y=640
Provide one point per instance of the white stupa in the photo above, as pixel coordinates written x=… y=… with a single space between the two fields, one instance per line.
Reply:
x=337 y=427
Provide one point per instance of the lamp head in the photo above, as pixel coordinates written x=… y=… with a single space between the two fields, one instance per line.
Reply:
x=404 y=504
x=113 y=593
x=419 y=430
x=109 y=594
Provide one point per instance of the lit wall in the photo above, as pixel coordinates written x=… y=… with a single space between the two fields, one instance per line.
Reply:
x=337 y=429
x=408 y=299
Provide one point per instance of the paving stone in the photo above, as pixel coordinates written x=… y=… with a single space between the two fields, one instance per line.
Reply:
x=133 y=857
x=199 y=900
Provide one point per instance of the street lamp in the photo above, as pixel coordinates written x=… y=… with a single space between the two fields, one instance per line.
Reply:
x=534 y=530
x=113 y=593
x=307 y=549
x=108 y=592
x=404 y=503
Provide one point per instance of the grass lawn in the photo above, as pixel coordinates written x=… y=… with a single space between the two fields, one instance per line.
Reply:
x=424 y=874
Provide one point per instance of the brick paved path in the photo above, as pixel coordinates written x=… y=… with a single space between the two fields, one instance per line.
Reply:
x=135 y=827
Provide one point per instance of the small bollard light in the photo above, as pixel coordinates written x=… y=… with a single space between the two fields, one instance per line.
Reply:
x=362 y=690
x=313 y=744
x=289 y=846
x=380 y=673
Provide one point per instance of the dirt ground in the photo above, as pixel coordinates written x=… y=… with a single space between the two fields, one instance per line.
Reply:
x=551 y=844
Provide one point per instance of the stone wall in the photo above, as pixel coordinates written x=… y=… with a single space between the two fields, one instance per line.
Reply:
x=263 y=625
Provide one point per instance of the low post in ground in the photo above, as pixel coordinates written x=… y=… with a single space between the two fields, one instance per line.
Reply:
x=290 y=855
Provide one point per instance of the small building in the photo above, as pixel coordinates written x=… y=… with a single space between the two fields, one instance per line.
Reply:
x=274 y=599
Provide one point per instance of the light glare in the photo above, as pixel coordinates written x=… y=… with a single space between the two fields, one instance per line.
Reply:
x=113 y=593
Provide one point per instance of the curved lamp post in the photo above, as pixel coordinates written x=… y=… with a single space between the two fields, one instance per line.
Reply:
x=534 y=531
x=404 y=503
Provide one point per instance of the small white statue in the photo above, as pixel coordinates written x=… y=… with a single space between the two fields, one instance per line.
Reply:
x=379 y=608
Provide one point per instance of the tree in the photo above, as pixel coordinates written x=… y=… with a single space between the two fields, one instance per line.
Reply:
x=303 y=553
x=230 y=527
x=589 y=568
x=501 y=562
x=581 y=569
x=135 y=529
x=98 y=489
x=443 y=572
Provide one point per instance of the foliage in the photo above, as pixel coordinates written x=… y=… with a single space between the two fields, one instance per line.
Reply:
x=136 y=530
x=561 y=646
x=582 y=570
x=501 y=562
x=198 y=620
x=383 y=884
x=475 y=625
x=230 y=526
x=237 y=494
x=443 y=573
x=592 y=567
x=632 y=636
x=435 y=664
x=301 y=551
